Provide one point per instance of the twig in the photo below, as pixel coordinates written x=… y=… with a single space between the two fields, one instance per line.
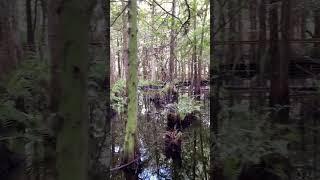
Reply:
x=168 y=12
x=229 y=20
x=124 y=165
x=119 y=15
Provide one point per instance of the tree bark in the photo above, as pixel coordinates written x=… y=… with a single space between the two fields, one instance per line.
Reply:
x=119 y=62
x=316 y=32
x=30 y=31
x=262 y=51
x=216 y=166
x=125 y=43
x=131 y=126
x=68 y=23
x=10 y=43
x=172 y=43
x=153 y=60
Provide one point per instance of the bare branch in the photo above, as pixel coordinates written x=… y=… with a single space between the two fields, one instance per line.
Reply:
x=119 y=15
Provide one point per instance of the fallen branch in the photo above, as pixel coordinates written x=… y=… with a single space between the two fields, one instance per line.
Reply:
x=124 y=165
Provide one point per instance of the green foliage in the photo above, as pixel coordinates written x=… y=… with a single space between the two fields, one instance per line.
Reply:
x=146 y=82
x=117 y=95
x=187 y=105
x=24 y=100
x=30 y=83
x=246 y=136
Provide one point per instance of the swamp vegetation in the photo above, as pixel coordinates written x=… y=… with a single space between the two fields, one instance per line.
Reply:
x=157 y=89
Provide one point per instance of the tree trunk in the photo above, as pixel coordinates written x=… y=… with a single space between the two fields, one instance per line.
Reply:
x=30 y=32
x=232 y=33
x=55 y=51
x=125 y=43
x=201 y=46
x=42 y=45
x=131 y=126
x=107 y=128
x=261 y=57
x=316 y=32
x=68 y=23
x=278 y=94
x=119 y=62
x=286 y=34
x=216 y=166
x=194 y=155
x=196 y=83
x=10 y=43
x=172 y=43
x=153 y=60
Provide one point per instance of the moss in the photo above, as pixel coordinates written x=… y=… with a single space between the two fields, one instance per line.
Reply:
x=129 y=145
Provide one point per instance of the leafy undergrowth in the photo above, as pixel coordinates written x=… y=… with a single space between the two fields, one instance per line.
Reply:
x=247 y=136
x=24 y=103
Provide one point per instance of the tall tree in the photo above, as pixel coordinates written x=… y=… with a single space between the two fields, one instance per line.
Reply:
x=274 y=55
x=201 y=46
x=68 y=30
x=30 y=31
x=261 y=54
x=10 y=43
x=131 y=126
x=196 y=81
x=216 y=166
x=316 y=14
x=153 y=60
x=43 y=28
x=172 y=42
x=125 y=41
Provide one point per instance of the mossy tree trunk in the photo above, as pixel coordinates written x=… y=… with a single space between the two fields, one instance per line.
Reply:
x=69 y=24
x=131 y=126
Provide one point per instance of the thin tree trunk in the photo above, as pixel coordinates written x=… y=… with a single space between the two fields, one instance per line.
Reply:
x=262 y=50
x=275 y=95
x=119 y=61
x=10 y=43
x=194 y=156
x=55 y=49
x=30 y=32
x=253 y=52
x=316 y=32
x=42 y=45
x=172 y=43
x=131 y=126
x=125 y=43
x=286 y=34
x=201 y=46
x=204 y=162
x=153 y=60
x=196 y=83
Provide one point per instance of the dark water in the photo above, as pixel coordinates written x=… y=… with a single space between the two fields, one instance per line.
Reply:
x=245 y=136
x=152 y=125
